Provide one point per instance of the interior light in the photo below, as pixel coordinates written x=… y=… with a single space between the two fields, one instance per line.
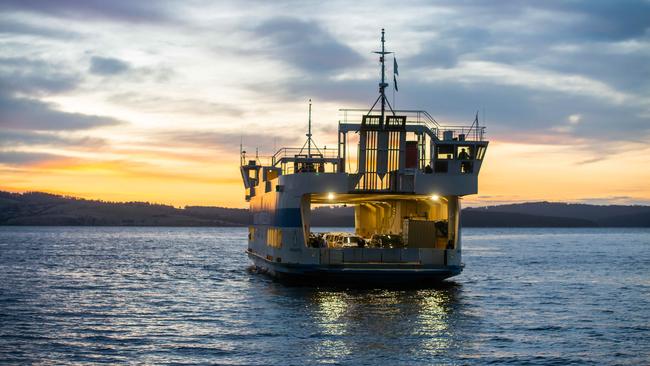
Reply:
x=330 y=196
x=435 y=197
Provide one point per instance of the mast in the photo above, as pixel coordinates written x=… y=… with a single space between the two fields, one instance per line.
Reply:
x=309 y=132
x=309 y=139
x=383 y=84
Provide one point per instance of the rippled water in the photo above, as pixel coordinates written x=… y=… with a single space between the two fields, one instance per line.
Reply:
x=185 y=295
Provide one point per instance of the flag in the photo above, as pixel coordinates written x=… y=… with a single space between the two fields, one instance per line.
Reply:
x=395 y=66
x=395 y=82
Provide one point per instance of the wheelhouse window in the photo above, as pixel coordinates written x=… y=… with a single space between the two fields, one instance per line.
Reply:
x=444 y=152
x=481 y=153
x=464 y=152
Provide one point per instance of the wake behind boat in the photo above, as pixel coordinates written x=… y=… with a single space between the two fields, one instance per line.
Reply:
x=410 y=173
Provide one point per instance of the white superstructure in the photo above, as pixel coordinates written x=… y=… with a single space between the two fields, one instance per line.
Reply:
x=410 y=172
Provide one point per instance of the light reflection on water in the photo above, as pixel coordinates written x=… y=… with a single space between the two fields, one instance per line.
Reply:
x=359 y=324
x=161 y=295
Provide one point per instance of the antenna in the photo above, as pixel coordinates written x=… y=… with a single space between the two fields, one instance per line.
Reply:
x=309 y=132
x=383 y=84
x=309 y=141
x=242 y=152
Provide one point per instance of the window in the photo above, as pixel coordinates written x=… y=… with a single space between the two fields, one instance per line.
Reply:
x=395 y=121
x=370 y=120
x=274 y=238
x=464 y=153
x=444 y=152
x=481 y=152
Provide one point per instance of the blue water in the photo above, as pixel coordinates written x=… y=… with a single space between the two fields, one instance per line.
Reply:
x=186 y=296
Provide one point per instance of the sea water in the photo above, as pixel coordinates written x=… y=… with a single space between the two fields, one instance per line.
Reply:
x=84 y=295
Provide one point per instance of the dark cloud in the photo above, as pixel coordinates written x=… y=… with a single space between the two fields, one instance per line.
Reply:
x=606 y=20
x=32 y=114
x=574 y=42
x=442 y=55
x=624 y=70
x=527 y=111
x=227 y=141
x=576 y=37
x=306 y=45
x=120 y=10
x=18 y=158
x=587 y=20
x=108 y=66
x=8 y=26
x=34 y=77
x=514 y=112
x=159 y=104
x=21 y=138
x=22 y=81
x=449 y=45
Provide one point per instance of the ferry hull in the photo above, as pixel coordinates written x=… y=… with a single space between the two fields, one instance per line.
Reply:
x=384 y=274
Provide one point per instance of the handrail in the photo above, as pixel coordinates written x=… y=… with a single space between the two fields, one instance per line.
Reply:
x=419 y=117
x=293 y=151
x=408 y=112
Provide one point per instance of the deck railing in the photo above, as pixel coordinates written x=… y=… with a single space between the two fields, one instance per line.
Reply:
x=291 y=152
x=415 y=117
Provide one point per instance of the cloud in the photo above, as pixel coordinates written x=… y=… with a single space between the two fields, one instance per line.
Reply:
x=32 y=114
x=113 y=67
x=23 y=80
x=448 y=45
x=306 y=45
x=20 y=158
x=117 y=10
x=35 y=77
x=600 y=40
x=108 y=66
x=514 y=111
x=226 y=141
x=21 y=138
x=613 y=200
x=624 y=66
x=162 y=104
x=9 y=26
x=574 y=119
x=587 y=20
x=607 y=20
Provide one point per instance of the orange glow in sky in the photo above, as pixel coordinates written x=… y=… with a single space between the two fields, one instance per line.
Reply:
x=512 y=172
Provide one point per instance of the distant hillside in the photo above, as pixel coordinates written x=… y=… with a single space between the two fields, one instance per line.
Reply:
x=560 y=209
x=557 y=214
x=47 y=209
x=333 y=216
x=475 y=218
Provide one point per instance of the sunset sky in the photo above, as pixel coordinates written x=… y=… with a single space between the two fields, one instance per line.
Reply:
x=127 y=100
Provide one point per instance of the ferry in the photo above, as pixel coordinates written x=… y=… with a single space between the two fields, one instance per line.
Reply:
x=404 y=180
